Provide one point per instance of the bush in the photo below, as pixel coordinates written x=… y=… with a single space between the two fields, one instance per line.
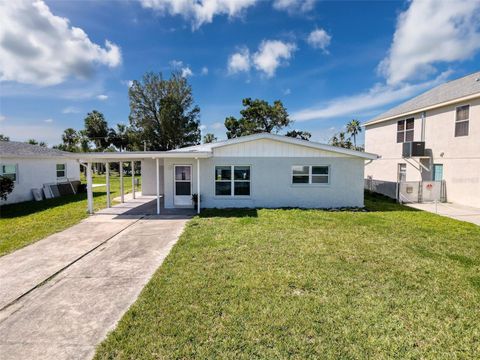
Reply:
x=6 y=187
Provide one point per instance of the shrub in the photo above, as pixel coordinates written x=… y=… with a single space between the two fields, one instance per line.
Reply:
x=6 y=187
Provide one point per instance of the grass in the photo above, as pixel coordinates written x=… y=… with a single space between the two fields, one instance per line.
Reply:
x=24 y=223
x=305 y=284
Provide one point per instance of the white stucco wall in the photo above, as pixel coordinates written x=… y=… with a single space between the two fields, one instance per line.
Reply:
x=149 y=180
x=271 y=182
x=33 y=173
x=460 y=156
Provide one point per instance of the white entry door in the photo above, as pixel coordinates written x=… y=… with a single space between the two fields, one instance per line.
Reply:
x=183 y=185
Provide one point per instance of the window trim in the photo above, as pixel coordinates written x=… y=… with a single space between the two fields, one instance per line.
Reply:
x=310 y=176
x=64 y=171
x=232 y=181
x=399 y=172
x=16 y=171
x=404 y=131
x=462 y=121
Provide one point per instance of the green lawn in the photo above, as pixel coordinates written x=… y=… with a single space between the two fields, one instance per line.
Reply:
x=269 y=284
x=24 y=223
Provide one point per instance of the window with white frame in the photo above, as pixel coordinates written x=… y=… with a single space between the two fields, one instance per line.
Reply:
x=462 y=115
x=311 y=174
x=10 y=171
x=405 y=130
x=232 y=180
x=61 y=171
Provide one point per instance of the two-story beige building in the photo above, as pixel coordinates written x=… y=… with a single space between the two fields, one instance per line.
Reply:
x=432 y=137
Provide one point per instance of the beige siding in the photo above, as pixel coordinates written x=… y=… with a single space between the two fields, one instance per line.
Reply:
x=270 y=148
x=460 y=156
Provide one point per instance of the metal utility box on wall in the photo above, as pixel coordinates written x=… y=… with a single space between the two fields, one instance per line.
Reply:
x=413 y=148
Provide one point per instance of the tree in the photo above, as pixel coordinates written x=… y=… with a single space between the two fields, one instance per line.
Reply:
x=84 y=141
x=209 y=138
x=341 y=140
x=96 y=129
x=124 y=138
x=32 y=142
x=354 y=128
x=303 y=135
x=6 y=187
x=163 y=111
x=70 y=139
x=258 y=116
x=4 y=138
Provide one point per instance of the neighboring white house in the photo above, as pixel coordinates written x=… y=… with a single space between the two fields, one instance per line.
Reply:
x=443 y=125
x=32 y=166
x=262 y=170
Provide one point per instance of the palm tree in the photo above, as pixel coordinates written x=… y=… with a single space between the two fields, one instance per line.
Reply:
x=209 y=138
x=354 y=128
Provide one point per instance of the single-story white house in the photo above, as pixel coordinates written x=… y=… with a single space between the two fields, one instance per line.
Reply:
x=33 y=166
x=256 y=171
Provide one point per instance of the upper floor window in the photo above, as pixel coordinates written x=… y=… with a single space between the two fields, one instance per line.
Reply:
x=9 y=170
x=461 y=120
x=305 y=174
x=232 y=180
x=405 y=129
x=61 y=171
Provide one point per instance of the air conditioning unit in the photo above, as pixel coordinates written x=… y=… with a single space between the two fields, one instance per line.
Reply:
x=413 y=148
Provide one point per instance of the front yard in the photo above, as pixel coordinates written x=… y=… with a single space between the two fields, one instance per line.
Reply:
x=389 y=283
x=24 y=223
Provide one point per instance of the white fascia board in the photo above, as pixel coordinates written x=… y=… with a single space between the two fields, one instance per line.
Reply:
x=140 y=155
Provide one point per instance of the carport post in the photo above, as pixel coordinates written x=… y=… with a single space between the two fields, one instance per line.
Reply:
x=133 y=179
x=89 y=189
x=107 y=180
x=198 y=186
x=158 y=185
x=120 y=169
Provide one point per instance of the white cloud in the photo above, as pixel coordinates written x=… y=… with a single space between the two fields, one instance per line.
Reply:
x=70 y=110
x=218 y=125
x=293 y=6
x=176 y=64
x=429 y=32
x=48 y=121
x=204 y=71
x=239 y=61
x=378 y=96
x=271 y=54
x=102 y=97
x=129 y=83
x=202 y=127
x=3 y=118
x=319 y=39
x=186 y=72
x=40 y=48
x=199 y=12
x=287 y=92
x=51 y=133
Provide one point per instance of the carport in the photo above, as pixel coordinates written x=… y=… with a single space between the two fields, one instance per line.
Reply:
x=145 y=157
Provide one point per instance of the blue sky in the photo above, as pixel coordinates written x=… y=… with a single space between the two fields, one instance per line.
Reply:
x=328 y=61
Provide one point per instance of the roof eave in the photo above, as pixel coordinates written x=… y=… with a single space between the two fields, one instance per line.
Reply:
x=426 y=108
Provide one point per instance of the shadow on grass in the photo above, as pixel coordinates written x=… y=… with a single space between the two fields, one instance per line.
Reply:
x=30 y=207
x=375 y=202
x=228 y=213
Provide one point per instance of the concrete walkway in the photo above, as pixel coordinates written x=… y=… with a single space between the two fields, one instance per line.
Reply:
x=60 y=296
x=454 y=211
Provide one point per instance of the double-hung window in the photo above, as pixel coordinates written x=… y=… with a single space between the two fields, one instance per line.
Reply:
x=310 y=174
x=9 y=171
x=61 y=171
x=462 y=115
x=405 y=129
x=232 y=180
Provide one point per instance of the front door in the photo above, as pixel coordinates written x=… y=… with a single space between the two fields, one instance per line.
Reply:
x=183 y=185
x=437 y=172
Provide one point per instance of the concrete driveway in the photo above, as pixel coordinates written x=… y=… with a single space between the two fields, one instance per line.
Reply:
x=60 y=296
x=454 y=211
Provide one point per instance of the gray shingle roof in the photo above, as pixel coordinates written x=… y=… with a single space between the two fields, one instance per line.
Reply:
x=20 y=149
x=455 y=89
